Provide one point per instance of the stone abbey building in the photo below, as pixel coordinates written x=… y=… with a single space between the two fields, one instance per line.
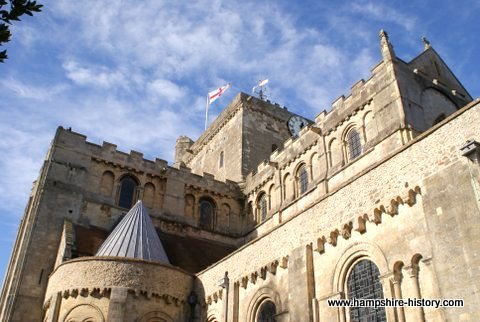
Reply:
x=267 y=215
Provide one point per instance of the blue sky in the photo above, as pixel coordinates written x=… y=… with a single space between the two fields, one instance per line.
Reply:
x=136 y=73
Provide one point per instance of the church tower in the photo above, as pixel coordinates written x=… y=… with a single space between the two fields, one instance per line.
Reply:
x=244 y=134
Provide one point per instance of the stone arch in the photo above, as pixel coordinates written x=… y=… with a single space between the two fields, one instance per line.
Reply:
x=225 y=219
x=301 y=178
x=207 y=210
x=149 y=195
x=369 y=127
x=347 y=261
x=106 y=183
x=84 y=313
x=261 y=206
x=335 y=156
x=287 y=187
x=189 y=206
x=127 y=191
x=271 y=197
x=261 y=296
x=226 y=209
x=416 y=259
x=250 y=213
x=155 y=316
x=314 y=166
x=212 y=315
x=353 y=143
x=363 y=282
x=353 y=254
x=398 y=266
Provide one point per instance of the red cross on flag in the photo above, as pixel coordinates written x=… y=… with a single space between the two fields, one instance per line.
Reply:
x=213 y=95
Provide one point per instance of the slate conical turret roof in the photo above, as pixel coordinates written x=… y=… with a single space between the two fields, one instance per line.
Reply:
x=135 y=237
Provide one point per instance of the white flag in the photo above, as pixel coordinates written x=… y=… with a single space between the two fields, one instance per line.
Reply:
x=263 y=82
x=213 y=95
x=260 y=84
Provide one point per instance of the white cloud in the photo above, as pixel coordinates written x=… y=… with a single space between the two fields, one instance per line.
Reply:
x=94 y=75
x=167 y=90
x=37 y=92
x=384 y=13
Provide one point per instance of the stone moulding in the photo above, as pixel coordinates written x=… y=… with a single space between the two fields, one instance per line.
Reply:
x=410 y=198
x=348 y=116
x=97 y=276
x=251 y=277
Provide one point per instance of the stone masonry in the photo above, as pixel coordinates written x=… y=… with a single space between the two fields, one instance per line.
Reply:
x=260 y=225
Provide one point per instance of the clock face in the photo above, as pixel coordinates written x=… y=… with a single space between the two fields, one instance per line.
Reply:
x=296 y=123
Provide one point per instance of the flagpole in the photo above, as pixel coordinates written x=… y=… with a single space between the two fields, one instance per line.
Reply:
x=206 y=113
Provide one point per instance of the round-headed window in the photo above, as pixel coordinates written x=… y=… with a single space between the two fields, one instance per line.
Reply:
x=262 y=206
x=267 y=312
x=207 y=213
x=364 y=283
x=128 y=190
x=354 y=144
x=302 y=180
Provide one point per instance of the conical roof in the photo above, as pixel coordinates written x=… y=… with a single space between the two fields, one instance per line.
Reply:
x=135 y=237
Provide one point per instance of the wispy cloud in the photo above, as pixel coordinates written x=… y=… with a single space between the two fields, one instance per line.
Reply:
x=382 y=12
x=137 y=74
x=32 y=92
x=93 y=75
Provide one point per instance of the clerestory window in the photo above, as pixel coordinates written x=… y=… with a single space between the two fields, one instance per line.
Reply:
x=354 y=144
x=262 y=207
x=302 y=177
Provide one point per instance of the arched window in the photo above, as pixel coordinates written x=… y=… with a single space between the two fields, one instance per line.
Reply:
x=220 y=160
x=207 y=214
x=262 y=207
x=354 y=144
x=128 y=191
x=267 y=312
x=302 y=180
x=364 y=283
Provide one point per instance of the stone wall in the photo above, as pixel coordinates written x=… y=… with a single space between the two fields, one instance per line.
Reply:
x=117 y=289
x=243 y=135
x=387 y=214
x=79 y=182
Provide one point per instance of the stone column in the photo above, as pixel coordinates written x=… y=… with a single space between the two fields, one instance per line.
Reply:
x=387 y=293
x=413 y=272
x=397 y=288
x=235 y=302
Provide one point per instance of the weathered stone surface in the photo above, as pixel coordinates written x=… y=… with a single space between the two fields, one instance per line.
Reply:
x=409 y=203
